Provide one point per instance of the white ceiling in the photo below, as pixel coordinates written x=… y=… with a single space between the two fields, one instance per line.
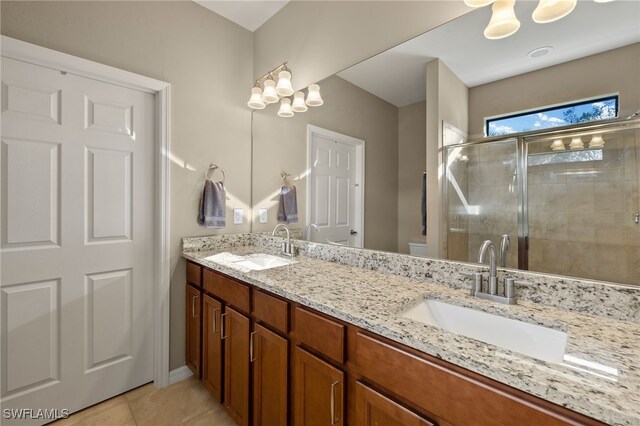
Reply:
x=398 y=75
x=248 y=13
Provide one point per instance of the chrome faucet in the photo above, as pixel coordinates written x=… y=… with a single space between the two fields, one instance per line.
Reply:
x=307 y=230
x=493 y=270
x=505 y=243
x=509 y=296
x=287 y=249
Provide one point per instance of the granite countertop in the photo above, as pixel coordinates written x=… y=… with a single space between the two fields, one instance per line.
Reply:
x=602 y=381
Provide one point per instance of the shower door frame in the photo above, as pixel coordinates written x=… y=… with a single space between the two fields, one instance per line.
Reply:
x=522 y=167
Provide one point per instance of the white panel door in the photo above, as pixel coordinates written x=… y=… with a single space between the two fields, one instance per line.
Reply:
x=76 y=241
x=333 y=191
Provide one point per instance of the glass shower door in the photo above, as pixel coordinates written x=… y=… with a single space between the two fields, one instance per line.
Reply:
x=583 y=204
x=482 y=198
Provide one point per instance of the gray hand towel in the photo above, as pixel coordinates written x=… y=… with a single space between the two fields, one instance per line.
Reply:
x=423 y=204
x=288 y=205
x=213 y=205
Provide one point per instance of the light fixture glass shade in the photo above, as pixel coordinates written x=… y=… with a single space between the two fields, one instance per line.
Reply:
x=298 y=102
x=596 y=141
x=552 y=10
x=269 y=95
x=557 y=145
x=478 y=3
x=285 y=108
x=576 y=143
x=284 y=87
x=503 y=21
x=255 y=101
x=313 y=97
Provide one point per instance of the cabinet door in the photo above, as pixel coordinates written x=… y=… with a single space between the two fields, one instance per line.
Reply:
x=269 y=355
x=212 y=347
x=374 y=409
x=318 y=390
x=236 y=365
x=193 y=330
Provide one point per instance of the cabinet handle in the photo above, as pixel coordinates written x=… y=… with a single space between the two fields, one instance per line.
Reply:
x=193 y=306
x=215 y=322
x=333 y=403
x=223 y=326
x=251 y=347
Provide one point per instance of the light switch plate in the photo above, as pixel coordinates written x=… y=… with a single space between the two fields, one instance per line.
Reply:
x=237 y=216
x=263 y=215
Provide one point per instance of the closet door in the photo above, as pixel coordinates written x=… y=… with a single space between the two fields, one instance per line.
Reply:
x=76 y=231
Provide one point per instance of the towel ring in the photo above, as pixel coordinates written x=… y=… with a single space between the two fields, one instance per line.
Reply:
x=213 y=167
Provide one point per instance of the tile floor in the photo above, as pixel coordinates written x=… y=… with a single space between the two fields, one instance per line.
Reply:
x=184 y=403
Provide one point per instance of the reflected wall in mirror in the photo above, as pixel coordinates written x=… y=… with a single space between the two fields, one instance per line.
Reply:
x=423 y=106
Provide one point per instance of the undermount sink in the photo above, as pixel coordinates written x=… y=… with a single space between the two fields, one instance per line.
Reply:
x=532 y=340
x=262 y=261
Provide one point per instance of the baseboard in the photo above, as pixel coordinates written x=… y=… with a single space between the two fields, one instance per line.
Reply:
x=179 y=374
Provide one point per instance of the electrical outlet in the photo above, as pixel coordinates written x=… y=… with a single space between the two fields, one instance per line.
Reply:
x=237 y=216
x=263 y=215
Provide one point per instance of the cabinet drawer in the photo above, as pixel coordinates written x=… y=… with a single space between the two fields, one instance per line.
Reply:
x=373 y=409
x=448 y=394
x=271 y=310
x=232 y=292
x=194 y=273
x=320 y=333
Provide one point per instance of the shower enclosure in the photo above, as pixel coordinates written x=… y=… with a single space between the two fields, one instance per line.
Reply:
x=568 y=199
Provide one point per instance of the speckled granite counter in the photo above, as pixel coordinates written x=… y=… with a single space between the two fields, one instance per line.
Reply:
x=601 y=381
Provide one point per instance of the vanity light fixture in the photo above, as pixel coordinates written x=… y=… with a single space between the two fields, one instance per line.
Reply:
x=256 y=101
x=504 y=22
x=576 y=143
x=313 y=97
x=557 y=145
x=269 y=95
x=265 y=91
x=298 y=103
x=552 y=10
x=596 y=141
x=285 y=108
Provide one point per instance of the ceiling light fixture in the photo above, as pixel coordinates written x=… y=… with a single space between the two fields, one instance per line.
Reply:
x=504 y=22
x=552 y=10
x=265 y=91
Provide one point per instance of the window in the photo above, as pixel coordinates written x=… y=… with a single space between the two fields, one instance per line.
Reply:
x=558 y=115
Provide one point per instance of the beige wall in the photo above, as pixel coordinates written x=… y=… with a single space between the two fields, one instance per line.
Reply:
x=447 y=101
x=412 y=151
x=281 y=144
x=320 y=38
x=208 y=61
x=605 y=73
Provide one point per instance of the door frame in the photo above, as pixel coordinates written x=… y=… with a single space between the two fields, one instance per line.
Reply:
x=37 y=55
x=359 y=144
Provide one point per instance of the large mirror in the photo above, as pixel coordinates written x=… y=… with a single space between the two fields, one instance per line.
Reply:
x=450 y=139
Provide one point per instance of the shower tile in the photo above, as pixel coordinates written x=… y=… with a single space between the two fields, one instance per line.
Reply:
x=580 y=227
x=611 y=263
x=610 y=235
x=580 y=197
x=608 y=197
x=633 y=265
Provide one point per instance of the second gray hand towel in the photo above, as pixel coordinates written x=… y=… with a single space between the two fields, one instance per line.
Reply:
x=288 y=205
x=213 y=205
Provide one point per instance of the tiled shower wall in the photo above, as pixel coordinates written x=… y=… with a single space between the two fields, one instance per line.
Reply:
x=581 y=215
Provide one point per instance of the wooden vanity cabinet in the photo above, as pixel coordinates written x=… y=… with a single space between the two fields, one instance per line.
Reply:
x=212 y=372
x=235 y=329
x=280 y=363
x=269 y=357
x=375 y=409
x=318 y=391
